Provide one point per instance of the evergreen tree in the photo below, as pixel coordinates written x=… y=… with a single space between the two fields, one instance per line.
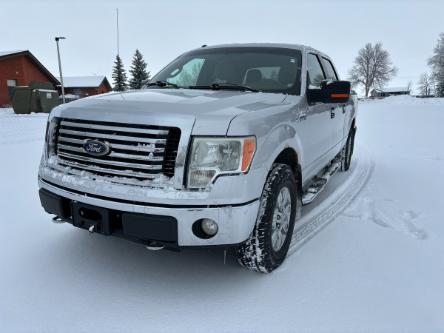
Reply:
x=119 y=75
x=139 y=75
x=437 y=64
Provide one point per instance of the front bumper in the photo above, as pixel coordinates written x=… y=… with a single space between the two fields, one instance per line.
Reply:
x=235 y=221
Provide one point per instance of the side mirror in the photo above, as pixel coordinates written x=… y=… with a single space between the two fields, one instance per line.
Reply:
x=330 y=92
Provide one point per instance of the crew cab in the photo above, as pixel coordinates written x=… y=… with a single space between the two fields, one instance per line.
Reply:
x=223 y=147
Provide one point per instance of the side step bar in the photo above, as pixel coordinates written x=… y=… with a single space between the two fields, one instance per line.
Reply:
x=321 y=181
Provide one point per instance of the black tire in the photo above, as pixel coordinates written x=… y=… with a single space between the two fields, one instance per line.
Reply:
x=257 y=252
x=347 y=151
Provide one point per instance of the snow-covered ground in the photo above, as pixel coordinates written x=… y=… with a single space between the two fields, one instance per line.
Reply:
x=367 y=255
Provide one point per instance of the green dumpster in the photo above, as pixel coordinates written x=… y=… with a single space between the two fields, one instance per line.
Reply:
x=46 y=99
x=37 y=97
x=21 y=100
x=40 y=85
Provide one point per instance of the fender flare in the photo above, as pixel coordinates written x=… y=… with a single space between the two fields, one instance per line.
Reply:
x=280 y=138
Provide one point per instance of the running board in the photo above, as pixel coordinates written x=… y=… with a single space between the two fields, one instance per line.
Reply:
x=320 y=182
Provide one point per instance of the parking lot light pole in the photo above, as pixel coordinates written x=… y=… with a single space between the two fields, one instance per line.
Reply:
x=60 y=67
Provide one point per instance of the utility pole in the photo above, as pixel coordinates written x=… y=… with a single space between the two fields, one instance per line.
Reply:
x=60 y=67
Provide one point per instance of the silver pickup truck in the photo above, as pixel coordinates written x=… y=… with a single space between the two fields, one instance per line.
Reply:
x=223 y=148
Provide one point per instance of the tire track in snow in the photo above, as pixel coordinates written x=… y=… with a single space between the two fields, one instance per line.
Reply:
x=311 y=224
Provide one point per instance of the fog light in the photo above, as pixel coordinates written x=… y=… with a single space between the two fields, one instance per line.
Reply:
x=209 y=227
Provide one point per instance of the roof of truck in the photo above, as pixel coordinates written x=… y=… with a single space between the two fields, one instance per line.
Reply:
x=266 y=45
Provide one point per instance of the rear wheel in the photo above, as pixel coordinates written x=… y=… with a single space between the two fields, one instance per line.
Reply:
x=347 y=151
x=280 y=204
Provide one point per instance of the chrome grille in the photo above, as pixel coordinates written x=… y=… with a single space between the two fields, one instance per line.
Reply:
x=142 y=152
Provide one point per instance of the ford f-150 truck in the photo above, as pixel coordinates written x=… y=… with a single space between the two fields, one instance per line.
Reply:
x=222 y=148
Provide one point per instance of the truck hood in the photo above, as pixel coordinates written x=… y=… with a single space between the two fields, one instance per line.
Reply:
x=202 y=112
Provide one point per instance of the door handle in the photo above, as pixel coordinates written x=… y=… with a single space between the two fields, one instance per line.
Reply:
x=332 y=113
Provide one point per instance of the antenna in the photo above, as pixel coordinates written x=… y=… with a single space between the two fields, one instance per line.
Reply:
x=118 y=46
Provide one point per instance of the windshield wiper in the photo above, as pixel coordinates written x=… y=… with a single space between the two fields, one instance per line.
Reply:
x=162 y=84
x=226 y=85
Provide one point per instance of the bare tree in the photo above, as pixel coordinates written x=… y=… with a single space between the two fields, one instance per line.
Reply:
x=436 y=62
x=425 y=85
x=372 y=68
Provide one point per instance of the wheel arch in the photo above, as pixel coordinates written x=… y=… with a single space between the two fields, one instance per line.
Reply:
x=290 y=157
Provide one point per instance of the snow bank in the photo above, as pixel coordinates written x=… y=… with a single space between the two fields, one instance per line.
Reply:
x=404 y=100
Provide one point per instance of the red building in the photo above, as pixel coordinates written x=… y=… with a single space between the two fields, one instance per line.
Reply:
x=83 y=86
x=18 y=68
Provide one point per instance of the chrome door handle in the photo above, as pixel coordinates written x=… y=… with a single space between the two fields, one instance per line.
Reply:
x=303 y=115
x=332 y=113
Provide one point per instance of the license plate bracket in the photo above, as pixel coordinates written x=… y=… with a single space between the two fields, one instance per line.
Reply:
x=85 y=216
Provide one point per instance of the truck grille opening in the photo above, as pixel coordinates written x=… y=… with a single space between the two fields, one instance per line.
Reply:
x=141 y=152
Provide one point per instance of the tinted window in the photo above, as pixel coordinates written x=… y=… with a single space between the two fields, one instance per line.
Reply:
x=265 y=69
x=329 y=70
x=315 y=73
x=269 y=73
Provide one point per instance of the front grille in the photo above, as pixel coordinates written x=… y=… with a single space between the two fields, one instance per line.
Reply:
x=141 y=152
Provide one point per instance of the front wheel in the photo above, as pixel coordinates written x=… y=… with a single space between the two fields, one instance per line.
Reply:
x=280 y=204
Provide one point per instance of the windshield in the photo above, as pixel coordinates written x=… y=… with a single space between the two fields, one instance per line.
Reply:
x=265 y=69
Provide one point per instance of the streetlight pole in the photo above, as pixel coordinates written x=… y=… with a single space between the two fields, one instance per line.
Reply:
x=60 y=67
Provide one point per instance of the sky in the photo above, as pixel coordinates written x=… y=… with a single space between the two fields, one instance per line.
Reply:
x=162 y=30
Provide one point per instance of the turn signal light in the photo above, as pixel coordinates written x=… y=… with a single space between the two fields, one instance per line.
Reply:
x=248 y=152
x=339 y=95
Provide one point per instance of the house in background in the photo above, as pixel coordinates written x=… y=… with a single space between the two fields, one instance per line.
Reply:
x=83 y=86
x=394 y=91
x=18 y=68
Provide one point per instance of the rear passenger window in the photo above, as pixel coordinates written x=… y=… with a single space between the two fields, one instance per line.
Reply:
x=315 y=73
x=329 y=70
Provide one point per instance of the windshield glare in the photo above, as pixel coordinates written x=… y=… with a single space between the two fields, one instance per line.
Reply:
x=265 y=69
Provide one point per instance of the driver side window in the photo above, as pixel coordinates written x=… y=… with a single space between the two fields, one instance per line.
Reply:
x=315 y=74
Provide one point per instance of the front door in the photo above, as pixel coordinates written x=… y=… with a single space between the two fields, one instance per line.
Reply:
x=316 y=128
x=337 y=111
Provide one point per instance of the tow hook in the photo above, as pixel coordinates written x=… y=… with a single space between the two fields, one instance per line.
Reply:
x=57 y=220
x=154 y=246
x=91 y=228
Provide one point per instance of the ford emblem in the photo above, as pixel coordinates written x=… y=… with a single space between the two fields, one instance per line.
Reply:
x=96 y=148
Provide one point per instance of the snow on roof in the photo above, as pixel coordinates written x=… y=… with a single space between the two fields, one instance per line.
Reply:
x=82 y=81
x=393 y=89
x=5 y=53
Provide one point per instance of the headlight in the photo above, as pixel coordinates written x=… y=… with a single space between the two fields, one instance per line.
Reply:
x=211 y=157
x=50 y=137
